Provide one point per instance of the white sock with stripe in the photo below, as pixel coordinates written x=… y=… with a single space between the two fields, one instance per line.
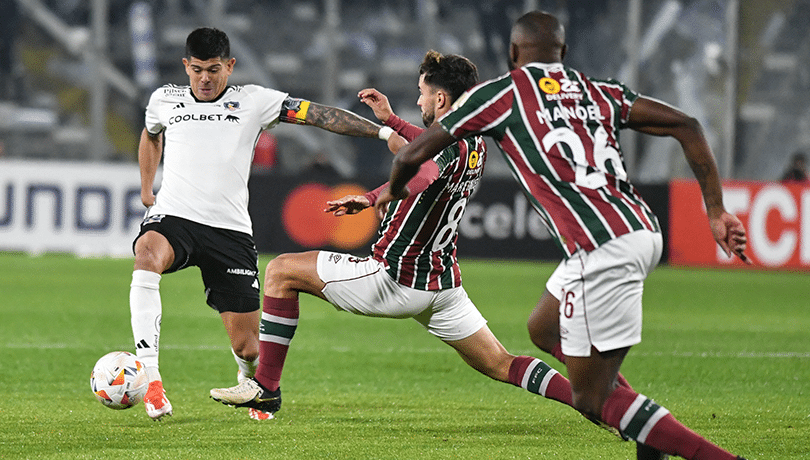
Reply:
x=145 y=310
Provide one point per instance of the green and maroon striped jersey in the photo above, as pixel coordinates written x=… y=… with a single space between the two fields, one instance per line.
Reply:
x=559 y=132
x=419 y=233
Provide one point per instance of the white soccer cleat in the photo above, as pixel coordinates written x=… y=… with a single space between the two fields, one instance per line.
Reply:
x=157 y=405
x=249 y=393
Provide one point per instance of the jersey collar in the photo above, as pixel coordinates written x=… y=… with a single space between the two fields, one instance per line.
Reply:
x=212 y=100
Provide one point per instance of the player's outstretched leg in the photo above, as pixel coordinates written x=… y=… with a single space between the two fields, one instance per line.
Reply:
x=642 y=420
x=596 y=394
x=145 y=309
x=262 y=393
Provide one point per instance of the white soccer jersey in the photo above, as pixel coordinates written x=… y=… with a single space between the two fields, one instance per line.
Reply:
x=208 y=151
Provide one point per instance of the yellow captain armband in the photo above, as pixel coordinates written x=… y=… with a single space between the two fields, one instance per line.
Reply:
x=294 y=111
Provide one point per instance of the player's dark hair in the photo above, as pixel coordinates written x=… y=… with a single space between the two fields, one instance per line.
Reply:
x=452 y=73
x=206 y=43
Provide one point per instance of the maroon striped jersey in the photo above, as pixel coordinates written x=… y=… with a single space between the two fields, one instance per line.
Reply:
x=419 y=233
x=559 y=133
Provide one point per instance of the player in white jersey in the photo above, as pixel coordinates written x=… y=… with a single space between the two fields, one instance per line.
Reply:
x=206 y=132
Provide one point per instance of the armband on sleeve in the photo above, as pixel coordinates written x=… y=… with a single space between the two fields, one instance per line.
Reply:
x=294 y=111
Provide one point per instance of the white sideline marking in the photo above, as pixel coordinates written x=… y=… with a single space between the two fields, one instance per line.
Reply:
x=345 y=349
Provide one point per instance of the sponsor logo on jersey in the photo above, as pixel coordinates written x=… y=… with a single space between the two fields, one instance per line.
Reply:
x=558 y=91
x=231 y=105
x=179 y=106
x=241 y=271
x=173 y=90
x=549 y=85
x=472 y=161
x=334 y=258
x=202 y=117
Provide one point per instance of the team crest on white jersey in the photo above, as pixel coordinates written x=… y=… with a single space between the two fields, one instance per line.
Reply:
x=231 y=105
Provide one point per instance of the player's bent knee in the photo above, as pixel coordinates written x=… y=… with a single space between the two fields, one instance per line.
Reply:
x=277 y=270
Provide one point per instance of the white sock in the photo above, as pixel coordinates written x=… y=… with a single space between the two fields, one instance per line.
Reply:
x=145 y=310
x=152 y=374
x=247 y=369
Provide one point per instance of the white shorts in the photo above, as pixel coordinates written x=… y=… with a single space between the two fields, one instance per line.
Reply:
x=362 y=286
x=600 y=293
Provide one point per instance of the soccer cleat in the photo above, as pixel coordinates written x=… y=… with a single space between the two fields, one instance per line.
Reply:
x=256 y=414
x=157 y=405
x=645 y=452
x=251 y=394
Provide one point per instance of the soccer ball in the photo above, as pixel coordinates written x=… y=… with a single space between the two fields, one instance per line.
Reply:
x=119 y=380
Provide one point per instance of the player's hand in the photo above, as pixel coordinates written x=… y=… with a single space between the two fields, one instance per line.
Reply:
x=378 y=103
x=396 y=142
x=381 y=206
x=148 y=198
x=729 y=233
x=349 y=204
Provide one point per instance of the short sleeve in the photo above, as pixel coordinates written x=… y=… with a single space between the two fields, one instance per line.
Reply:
x=480 y=109
x=269 y=101
x=622 y=95
x=152 y=118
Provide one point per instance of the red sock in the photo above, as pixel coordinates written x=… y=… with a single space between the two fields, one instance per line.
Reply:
x=623 y=381
x=537 y=377
x=644 y=421
x=279 y=320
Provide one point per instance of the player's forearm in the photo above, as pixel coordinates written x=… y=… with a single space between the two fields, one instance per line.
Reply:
x=428 y=173
x=407 y=130
x=340 y=121
x=410 y=157
x=701 y=161
x=150 y=150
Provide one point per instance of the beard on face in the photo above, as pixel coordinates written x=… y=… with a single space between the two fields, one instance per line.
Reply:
x=428 y=118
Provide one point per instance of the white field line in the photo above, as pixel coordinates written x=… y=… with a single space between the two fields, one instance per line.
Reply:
x=348 y=349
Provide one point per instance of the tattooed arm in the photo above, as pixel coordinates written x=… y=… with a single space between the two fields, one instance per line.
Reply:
x=332 y=119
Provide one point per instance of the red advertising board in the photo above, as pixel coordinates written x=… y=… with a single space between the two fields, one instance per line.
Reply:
x=775 y=215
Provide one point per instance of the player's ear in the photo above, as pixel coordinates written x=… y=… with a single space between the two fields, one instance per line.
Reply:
x=563 y=51
x=441 y=99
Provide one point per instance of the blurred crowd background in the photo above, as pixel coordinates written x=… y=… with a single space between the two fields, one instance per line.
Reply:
x=75 y=75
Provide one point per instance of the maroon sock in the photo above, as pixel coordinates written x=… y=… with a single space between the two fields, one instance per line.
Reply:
x=279 y=320
x=537 y=377
x=623 y=381
x=644 y=421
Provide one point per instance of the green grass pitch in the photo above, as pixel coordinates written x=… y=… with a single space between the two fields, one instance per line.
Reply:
x=728 y=352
